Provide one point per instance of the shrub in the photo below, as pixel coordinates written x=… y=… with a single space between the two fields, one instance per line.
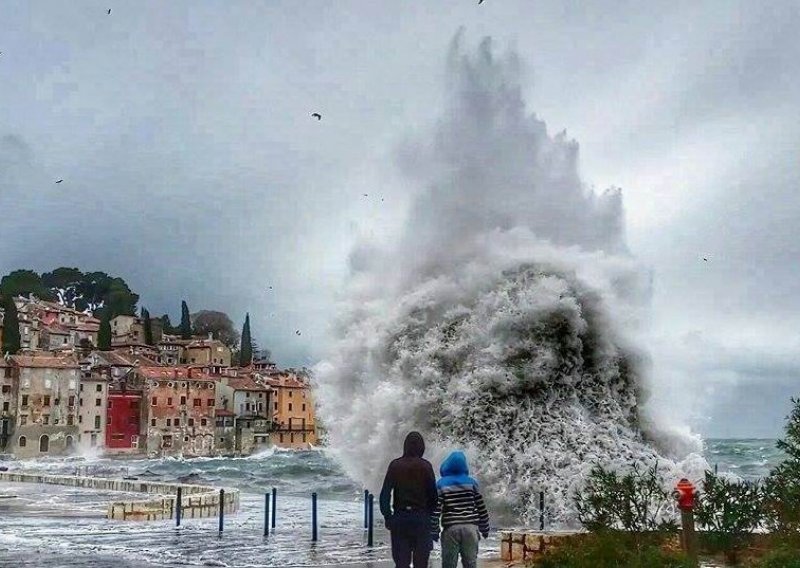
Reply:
x=729 y=511
x=782 y=487
x=614 y=550
x=635 y=501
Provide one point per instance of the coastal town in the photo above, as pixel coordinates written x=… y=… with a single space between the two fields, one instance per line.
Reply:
x=147 y=392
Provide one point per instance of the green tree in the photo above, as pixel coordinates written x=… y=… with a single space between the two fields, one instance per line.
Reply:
x=64 y=283
x=23 y=283
x=11 y=338
x=246 y=351
x=148 y=327
x=186 y=322
x=782 y=487
x=216 y=323
x=166 y=325
x=104 y=334
x=121 y=300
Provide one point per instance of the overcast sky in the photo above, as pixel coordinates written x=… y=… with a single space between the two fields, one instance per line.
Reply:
x=192 y=168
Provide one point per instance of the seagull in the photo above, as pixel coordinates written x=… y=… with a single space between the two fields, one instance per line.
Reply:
x=365 y=194
x=59 y=181
x=270 y=287
x=705 y=259
x=480 y=2
x=316 y=115
x=109 y=11
x=297 y=332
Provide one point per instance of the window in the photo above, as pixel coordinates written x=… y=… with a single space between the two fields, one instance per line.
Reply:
x=203 y=422
x=281 y=438
x=44 y=443
x=169 y=422
x=290 y=394
x=183 y=400
x=191 y=422
x=247 y=395
x=45 y=419
x=23 y=419
x=80 y=401
x=6 y=388
x=304 y=407
x=98 y=402
x=118 y=436
x=153 y=422
x=80 y=419
x=96 y=422
x=290 y=407
x=55 y=421
x=57 y=401
x=99 y=388
x=70 y=420
x=5 y=407
x=211 y=402
x=304 y=436
x=81 y=389
x=93 y=441
x=71 y=400
x=291 y=438
x=197 y=402
x=276 y=406
x=169 y=401
x=65 y=340
x=154 y=402
x=109 y=403
x=186 y=438
x=46 y=401
x=177 y=422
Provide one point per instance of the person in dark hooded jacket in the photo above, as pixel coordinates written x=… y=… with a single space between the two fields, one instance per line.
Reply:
x=461 y=512
x=407 y=501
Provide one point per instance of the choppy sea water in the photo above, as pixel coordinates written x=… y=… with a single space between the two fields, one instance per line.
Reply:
x=56 y=526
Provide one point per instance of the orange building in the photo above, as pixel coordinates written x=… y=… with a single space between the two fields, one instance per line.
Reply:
x=293 y=411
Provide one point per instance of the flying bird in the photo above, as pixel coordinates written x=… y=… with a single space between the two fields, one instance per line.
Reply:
x=480 y=2
x=316 y=115
x=297 y=332
x=705 y=259
x=365 y=194
x=109 y=11
x=59 y=181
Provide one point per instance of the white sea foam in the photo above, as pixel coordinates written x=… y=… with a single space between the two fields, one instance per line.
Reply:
x=504 y=319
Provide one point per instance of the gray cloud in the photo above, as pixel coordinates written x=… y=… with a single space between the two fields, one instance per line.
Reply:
x=192 y=168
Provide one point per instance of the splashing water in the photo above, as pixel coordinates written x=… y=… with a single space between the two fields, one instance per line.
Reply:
x=503 y=320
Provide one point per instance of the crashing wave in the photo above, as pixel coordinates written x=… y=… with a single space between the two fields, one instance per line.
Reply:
x=503 y=320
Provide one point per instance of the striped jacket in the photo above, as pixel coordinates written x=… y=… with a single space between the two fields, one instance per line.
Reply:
x=459 y=502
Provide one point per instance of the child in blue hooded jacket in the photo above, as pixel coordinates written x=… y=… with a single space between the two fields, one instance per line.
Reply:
x=461 y=512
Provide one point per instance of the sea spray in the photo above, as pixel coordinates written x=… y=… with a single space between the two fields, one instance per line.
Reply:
x=504 y=319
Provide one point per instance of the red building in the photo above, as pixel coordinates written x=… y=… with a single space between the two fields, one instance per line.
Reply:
x=123 y=420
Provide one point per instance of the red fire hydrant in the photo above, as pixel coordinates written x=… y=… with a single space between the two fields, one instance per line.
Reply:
x=686 y=496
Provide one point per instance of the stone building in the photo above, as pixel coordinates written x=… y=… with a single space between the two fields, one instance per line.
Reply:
x=207 y=352
x=92 y=412
x=8 y=402
x=293 y=411
x=250 y=403
x=180 y=411
x=47 y=405
x=130 y=330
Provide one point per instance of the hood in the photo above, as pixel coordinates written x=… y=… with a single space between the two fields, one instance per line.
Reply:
x=414 y=446
x=455 y=464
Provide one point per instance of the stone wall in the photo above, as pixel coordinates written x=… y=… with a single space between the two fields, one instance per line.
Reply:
x=197 y=500
x=525 y=544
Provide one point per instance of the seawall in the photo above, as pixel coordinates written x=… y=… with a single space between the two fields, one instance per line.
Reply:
x=197 y=500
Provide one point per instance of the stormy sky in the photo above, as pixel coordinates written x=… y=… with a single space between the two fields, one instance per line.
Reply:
x=192 y=167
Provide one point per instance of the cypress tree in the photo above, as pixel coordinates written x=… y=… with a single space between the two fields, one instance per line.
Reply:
x=148 y=327
x=186 y=322
x=246 y=352
x=104 y=335
x=11 y=337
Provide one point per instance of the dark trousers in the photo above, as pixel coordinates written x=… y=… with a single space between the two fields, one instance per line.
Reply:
x=411 y=539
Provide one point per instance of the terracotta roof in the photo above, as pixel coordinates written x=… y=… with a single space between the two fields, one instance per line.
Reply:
x=44 y=362
x=245 y=384
x=172 y=372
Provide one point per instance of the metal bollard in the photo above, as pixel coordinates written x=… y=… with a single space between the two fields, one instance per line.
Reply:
x=178 y=506
x=371 y=519
x=274 y=505
x=541 y=510
x=266 y=514
x=313 y=517
x=221 y=509
x=366 y=508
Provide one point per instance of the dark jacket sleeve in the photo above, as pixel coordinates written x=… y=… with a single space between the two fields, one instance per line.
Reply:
x=436 y=517
x=432 y=492
x=386 y=493
x=483 y=514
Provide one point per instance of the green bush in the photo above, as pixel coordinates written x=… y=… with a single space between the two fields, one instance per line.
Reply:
x=635 y=501
x=784 y=557
x=728 y=511
x=782 y=487
x=612 y=549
